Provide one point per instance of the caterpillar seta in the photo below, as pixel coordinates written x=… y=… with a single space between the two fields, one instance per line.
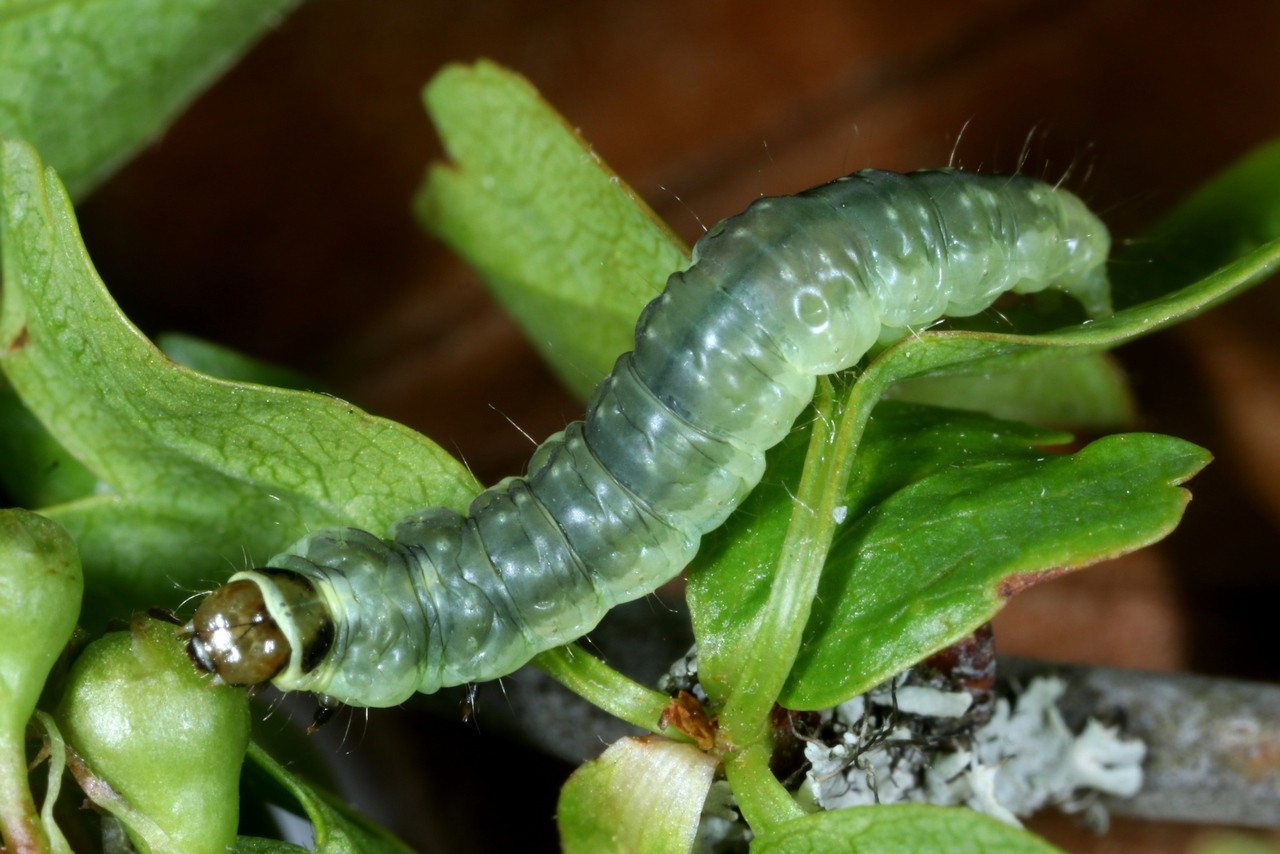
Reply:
x=725 y=360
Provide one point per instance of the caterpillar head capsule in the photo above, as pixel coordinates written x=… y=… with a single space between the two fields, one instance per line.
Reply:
x=233 y=636
x=246 y=631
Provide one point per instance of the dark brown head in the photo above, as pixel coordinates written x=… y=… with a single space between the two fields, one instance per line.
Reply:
x=234 y=636
x=246 y=631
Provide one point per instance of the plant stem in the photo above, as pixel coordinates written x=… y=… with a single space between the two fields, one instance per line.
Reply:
x=598 y=683
x=19 y=821
x=761 y=798
x=780 y=625
x=779 y=630
x=1213 y=744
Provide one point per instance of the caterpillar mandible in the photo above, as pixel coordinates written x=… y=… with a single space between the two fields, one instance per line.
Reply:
x=725 y=360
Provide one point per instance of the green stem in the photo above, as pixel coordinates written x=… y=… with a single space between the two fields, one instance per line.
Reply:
x=19 y=821
x=780 y=624
x=776 y=638
x=761 y=798
x=592 y=679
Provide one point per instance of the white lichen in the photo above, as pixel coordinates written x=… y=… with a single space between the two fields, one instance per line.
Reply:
x=931 y=702
x=1023 y=759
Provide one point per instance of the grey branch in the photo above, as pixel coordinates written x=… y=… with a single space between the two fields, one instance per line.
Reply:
x=1213 y=745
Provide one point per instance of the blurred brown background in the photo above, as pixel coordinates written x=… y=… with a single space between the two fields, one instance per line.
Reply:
x=274 y=217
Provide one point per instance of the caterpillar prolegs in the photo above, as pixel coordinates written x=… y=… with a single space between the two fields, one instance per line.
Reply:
x=725 y=360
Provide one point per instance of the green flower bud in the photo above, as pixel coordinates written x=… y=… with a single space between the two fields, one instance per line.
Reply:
x=167 y=742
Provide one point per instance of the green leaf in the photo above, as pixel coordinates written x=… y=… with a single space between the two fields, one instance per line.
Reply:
x=899 y=829
x=338 y=828
x=37 y=471
x=1230 y=218
x=905 y=443
x=947 y=513
x=1085 y=392
x=940 y=557
x=200 y=472
x=640 y=795
x=40 y=590
x=568 y=249
x=733 y=582
x=87 y=83
x=161 y=746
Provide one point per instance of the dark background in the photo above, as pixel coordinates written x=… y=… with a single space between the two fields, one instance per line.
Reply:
x=275 y=217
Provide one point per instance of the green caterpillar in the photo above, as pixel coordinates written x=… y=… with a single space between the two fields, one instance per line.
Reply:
x=725 y=360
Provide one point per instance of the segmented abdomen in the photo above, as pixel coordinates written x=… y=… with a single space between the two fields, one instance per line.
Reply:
x=725 y=360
